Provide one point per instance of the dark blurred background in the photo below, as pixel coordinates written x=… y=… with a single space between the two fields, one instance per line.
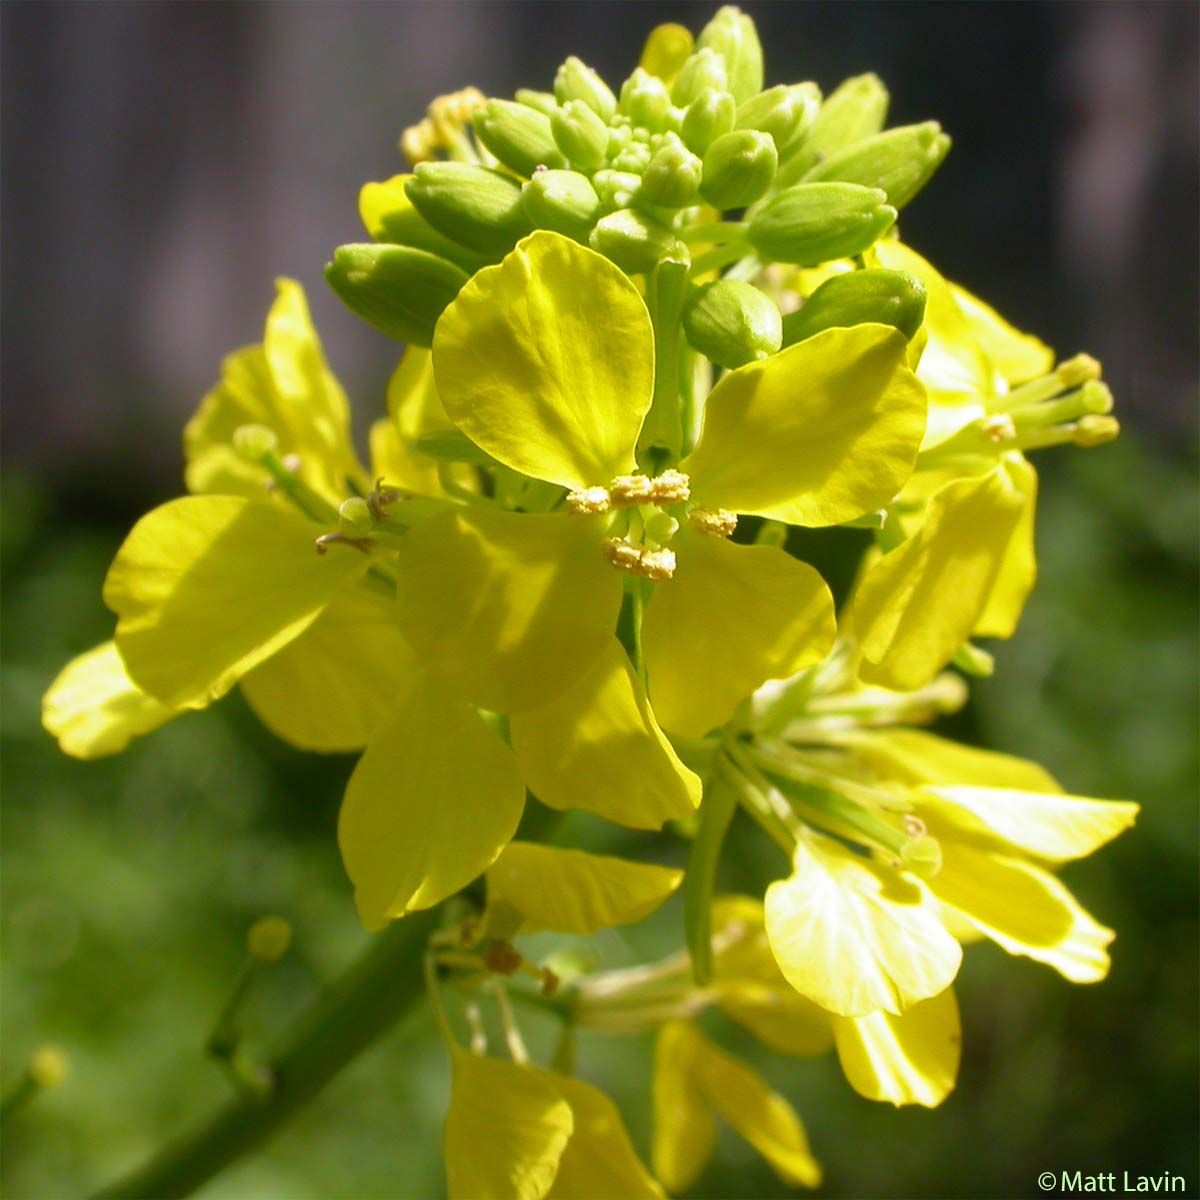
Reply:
x=163 y=162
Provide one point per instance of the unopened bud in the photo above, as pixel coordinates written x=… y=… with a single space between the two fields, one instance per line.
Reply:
x=853 y=111
x=732 y=34
x=254 y=442
x=900 y=161
x=616 y=189
x=563 y=201
x=812 y=223
x=354 y=517
x=575 y=80
x=474 y=206
x=633 y=158
x=645 y=100
x=580 y=134
x=738 y=168
x=543 y=102
x=389 y=216
x=1095 y=430
x=732 y=323
x=518 y=136
x=777 y=111
x=703 y=69
x=881 y=297
x=398 y=290
x=633 y=241
x=672 y=177
x=666 y=50
x=708 y=117
x=268 y=939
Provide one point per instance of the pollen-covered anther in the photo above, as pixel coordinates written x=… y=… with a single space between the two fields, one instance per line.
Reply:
x=649 y=564
x=1077 y=370
x=997 y=429
x=589 y=500
x=671 y=487
x=716 y=522
x=502 y=958
x=293 y=462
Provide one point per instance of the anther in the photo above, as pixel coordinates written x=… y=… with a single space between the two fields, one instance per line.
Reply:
x=914 y=826
x=589 y=500
x=998 y=428
x=501 y=958
x=293 y=462
x=656 y=565
x=671 y=487
x=1077 y=370
x=1095 y=430
x=717 y=522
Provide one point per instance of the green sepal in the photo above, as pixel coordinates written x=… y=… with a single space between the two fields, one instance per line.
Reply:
x=633 y=241
x=518 y=136
x=563 y=201
x=782 y=111
x=475 y=206
x=854 y=110
x=543 y=102
x=710 y=116
x=580 y=134
x=663 y=427
x=389 y=216
x=812 y=223
x=400 y=291
x=672 y=177
x=900 y=161
x=716 y=812
x=738 y=168
x=703 y=69
x=575 y=80
x=731 y=33
x=645 y=100
x=893 y=298
x=732 y=323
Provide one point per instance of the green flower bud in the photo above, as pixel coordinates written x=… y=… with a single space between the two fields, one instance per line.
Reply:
x=575 y=80
x=401 y=224
x=254 y=442
x=704 y=69
x=543 y=102
x=778 y=111
x=645 y=100
x=633 y=241
x=901 y=161
x=883 y=297
x=812 y=223
x=673 y=176
x=738 y=168
x=633 y=158
x=518 y=136
x=399 y=290
x=732 y=323
x=853 y=111
x=563 y=201
x=731 y=34
x=708 y=117
x=580 y=134
x=474 y=206
x=616 y=189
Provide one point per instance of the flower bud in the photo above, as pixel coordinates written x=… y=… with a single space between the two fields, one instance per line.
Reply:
x=632 y=240
x=268 y=939
x=634 y=157
x=731 y=34
x=672 y=177
x=813 y=223
x=708 y=117
x=398 y=290
x=732 y=323
x=778 y=112
x=615 y=188
x=474 y=206
x=254 y=442
x=901 y=161
x=666 y=50
x=563 y=201
x=518 y=136
x=389 y=216
x=702 y=70
x=580 y=134
x=575 y=80
x=738 y=168
x=854 y=110
x=883 y=297
x=645 y=100
x=543 y=102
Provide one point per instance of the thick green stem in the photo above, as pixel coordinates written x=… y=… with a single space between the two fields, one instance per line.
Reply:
x=346 y=1018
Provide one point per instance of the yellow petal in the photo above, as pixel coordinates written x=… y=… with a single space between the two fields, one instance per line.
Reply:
x=598 y=747
x=432 y=802
x=1018 y=565
x=506 y=1130
x=908 y=1059
x=1022 y=908
x=207 y=587
x=599 y=1162
x=509 y=608
x=685 y=1130
x=547 y=362
x=329 y=688
x=94 y=708
x=1016 y=356
x=817 y=434
x=854 y=936
x=1055 y=827
x=568 y=891
x=742 y=614
x=919 y=603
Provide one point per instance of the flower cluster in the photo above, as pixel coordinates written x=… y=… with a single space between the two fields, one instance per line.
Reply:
x=648 y=331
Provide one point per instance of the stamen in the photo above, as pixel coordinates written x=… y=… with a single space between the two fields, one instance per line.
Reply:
x=1095 y=430
x=1077 y=370
x=716 y=522
x=328 y=539
x=293 y=462
x=656 y=565
x=671 y=487
x=998 y=429
x=589 y=500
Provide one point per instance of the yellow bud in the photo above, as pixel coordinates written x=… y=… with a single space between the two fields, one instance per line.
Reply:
x=254 y=442
x=268 y=939
x=48 y=1066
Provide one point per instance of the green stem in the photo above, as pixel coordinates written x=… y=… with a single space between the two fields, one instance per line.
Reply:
x=343 y=1020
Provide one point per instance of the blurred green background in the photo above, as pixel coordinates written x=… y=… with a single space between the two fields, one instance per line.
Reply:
x=161 y=162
